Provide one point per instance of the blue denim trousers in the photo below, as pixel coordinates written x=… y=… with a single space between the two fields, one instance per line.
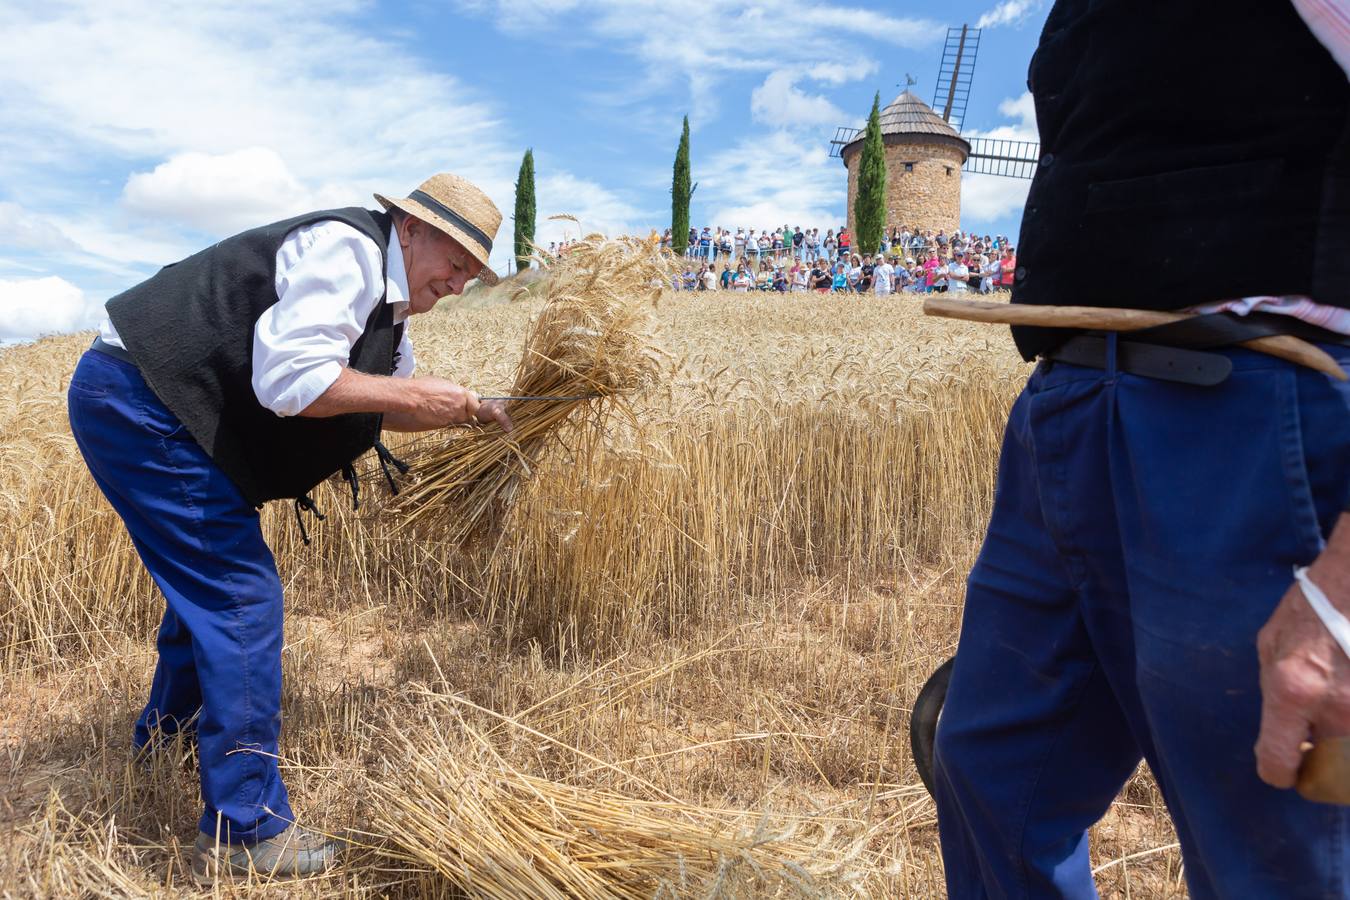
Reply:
x=221 y=637
x=1142 y=533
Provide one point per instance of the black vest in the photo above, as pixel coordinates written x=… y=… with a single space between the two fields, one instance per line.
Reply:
x=1191 y=152
x=190 y=330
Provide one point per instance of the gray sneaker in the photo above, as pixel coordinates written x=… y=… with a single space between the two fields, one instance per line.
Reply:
x=294 y=853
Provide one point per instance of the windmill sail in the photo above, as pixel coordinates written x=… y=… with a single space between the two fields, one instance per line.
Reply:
x=956 y=74
x=843 y=136
x=993 y=156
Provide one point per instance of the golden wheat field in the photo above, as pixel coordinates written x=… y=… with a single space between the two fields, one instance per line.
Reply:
x=684 y=668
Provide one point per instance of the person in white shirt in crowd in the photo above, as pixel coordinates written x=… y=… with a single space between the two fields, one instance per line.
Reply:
x=883 y=277
x=906 y=280
x=989 y=272
x=957 y=274
x=940 y=274
x=854 y=272
x=247 y=374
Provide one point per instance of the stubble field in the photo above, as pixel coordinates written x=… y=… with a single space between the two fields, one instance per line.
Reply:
x=685 y=668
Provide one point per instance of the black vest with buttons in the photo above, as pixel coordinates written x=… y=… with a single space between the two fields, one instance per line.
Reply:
x=1191 y=152
x=189 y=329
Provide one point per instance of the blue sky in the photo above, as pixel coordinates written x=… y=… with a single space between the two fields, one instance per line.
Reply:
x=133 y=134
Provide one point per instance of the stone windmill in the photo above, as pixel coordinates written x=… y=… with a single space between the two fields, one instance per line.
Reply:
x=926 y=152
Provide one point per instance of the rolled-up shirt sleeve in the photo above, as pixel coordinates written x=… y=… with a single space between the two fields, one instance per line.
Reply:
x=329 y=277
x=406 y=364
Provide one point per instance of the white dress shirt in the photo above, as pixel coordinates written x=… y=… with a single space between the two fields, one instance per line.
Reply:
x=882 y=278
x=327 y=282
x=957 y=275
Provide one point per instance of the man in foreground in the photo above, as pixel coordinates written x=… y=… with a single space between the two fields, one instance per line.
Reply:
x=251 y=372
x=1135 y=596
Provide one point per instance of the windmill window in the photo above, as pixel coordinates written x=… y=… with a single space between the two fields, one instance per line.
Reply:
x=909 y=167
x=949 y=171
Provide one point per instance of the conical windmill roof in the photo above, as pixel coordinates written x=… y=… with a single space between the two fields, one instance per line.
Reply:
x=908 y=115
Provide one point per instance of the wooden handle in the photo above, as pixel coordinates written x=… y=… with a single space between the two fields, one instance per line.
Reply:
x=1324 y=776
x=1283 y=346
x=1102 y=317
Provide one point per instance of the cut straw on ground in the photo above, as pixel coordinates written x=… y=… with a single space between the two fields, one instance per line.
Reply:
x=482 y=826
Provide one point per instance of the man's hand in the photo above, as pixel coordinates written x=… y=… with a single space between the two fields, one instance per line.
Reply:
x=495 y=411
x=408 y=404
x=436 y=403
x=1305 y=676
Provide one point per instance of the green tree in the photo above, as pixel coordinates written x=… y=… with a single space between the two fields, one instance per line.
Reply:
x=525 y=211
x=869 y=210
x=680 y=192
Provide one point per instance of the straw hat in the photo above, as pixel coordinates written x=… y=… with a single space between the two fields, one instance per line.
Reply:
x=453 y=205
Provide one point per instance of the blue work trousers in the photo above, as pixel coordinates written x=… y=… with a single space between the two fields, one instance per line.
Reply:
x=221 y=637
x=1143 y=531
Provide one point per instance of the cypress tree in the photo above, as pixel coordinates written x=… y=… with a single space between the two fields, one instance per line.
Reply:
x=525 y=211
x=869 y=211
x=679 y=195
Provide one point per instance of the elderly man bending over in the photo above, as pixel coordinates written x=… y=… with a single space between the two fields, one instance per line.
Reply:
x=249 y=372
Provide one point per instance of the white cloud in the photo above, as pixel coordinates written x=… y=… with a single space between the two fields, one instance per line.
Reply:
x=775 y=179
x=780 y=104
x=989 y=198
x=595 y=208
x=1009 y=12
x=522 y=16
x=115 y=245
x=24 y=229
x=195 y=89
x=43 y=243
x=219 y=193
x=1023 y=109
x=836 y=73
x=750 y=36
x=30 y=307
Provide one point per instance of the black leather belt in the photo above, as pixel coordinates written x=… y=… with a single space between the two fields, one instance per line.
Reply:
x=1150 y=360
x=103 y=346
x=1176 y=351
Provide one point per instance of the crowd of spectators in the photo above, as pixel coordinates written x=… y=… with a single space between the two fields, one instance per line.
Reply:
x=788 y=260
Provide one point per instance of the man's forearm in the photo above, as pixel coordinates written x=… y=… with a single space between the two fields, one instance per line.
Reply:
x=357 y=392
x=407 y=404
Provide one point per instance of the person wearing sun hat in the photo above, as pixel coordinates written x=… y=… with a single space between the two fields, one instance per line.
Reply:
x=457 y=208
x=250 y=372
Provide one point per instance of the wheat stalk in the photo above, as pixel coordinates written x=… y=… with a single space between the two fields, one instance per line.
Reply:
x=589 y=347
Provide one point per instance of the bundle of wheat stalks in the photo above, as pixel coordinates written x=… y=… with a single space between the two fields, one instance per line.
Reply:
x=477 y=825
x=587 y=350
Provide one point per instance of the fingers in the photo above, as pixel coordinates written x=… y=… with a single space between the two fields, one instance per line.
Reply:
x=495 y=411
x=471 y=404
x=1285 y=725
